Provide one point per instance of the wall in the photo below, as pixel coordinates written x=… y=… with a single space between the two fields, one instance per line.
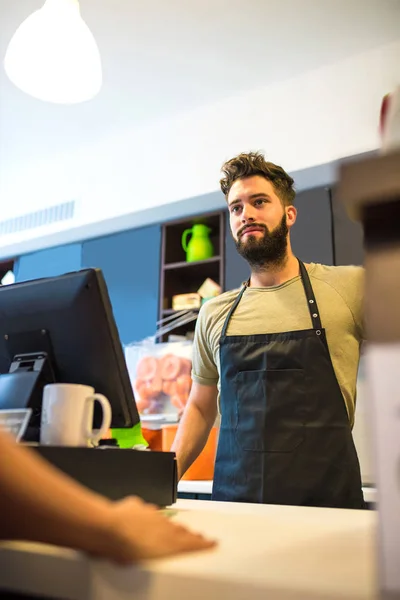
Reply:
x=48 y=263
x=130 y=262
x=312 y=119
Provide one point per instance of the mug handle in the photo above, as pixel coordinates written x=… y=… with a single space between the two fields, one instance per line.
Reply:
x=95 y=436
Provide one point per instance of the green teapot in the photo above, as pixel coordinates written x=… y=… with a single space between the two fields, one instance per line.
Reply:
x=200 y=246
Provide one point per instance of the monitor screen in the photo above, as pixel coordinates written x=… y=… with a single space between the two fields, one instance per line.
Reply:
x=67 y=319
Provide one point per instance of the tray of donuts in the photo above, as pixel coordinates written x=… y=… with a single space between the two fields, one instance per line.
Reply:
x=161 y=378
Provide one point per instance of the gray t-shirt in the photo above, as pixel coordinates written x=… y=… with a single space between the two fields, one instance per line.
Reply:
x=339 y=294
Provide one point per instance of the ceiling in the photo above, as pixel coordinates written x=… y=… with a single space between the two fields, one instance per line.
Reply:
x=167 y=56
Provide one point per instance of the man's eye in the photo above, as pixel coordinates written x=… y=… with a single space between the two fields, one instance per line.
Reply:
x=235 y=208
x=259 y=201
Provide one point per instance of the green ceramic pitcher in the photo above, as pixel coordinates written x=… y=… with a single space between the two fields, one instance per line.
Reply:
x=200 y=246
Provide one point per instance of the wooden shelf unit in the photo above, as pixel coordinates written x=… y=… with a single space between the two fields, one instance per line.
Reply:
x=181 y=277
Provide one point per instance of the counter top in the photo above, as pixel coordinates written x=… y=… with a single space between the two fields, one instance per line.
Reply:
x=205 y=487
x=286 y=552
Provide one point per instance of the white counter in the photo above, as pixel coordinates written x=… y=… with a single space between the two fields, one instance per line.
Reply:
x=283 y=553
x=195 y=487
x=205 y=487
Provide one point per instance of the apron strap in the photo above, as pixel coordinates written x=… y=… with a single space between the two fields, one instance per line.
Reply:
x=311 y=301
x=233 y=308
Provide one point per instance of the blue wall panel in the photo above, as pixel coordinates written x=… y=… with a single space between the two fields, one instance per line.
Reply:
x=49 y=262
x=130 y=262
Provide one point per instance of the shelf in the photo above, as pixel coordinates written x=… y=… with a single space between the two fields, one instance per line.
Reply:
x=185 y=264
x=178 y=276
x=189 y=278
x=173 y=232
x=171 y=311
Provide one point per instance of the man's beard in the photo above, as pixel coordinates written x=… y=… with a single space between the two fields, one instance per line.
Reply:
x=270 y=250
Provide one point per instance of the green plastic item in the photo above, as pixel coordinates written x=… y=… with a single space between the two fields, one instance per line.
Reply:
x=129 y=436
x=200 y=246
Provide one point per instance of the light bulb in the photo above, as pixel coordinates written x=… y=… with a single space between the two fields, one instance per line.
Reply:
x=53 y=55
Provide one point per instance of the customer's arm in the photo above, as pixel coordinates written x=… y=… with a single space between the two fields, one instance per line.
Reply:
x=39 y=503
x=195 y=426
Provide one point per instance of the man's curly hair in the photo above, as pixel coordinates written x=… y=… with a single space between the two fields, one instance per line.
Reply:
x=253 y=163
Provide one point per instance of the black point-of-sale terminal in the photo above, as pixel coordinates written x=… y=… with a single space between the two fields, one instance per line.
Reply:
x=62 y=329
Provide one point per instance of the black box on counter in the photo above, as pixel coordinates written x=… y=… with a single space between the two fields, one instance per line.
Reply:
x=117 y=473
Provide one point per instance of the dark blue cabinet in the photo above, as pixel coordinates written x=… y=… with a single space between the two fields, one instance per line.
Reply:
x=312 y=234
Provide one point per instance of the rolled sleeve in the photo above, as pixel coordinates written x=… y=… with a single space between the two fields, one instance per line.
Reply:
x=204 y=368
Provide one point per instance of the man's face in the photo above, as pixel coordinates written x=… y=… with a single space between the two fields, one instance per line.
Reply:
x=259 y=221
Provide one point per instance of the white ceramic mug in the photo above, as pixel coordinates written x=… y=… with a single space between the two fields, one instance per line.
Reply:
x=67 y=415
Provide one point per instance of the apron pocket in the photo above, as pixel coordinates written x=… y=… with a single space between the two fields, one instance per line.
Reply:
x=270 y=410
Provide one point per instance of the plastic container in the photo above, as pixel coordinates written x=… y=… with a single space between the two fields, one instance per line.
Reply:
x=161 y=378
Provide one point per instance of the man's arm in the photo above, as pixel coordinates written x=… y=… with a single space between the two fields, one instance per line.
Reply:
x=195 y=426
x=201 y=410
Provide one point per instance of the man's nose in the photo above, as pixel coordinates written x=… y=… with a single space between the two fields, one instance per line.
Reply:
x=248 y=214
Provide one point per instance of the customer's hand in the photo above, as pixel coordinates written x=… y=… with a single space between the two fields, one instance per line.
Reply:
x=138 y=531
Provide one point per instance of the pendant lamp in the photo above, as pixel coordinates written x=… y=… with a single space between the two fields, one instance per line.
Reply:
x=53 y=55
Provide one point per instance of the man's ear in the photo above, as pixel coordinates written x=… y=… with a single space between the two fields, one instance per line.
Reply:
x=291 y=215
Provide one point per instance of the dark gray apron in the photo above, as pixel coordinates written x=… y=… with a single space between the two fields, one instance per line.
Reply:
x=285 y=436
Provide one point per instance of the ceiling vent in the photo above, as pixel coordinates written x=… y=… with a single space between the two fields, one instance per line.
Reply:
x=39 y=218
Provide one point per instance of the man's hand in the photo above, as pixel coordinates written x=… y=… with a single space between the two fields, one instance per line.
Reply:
x=136 y=531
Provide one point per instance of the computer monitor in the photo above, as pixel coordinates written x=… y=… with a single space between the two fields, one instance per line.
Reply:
x=62 y=329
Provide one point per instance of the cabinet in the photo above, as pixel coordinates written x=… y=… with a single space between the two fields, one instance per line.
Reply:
x=237 y=270
x=312 y=234
x=177 y=276
x=348 y=235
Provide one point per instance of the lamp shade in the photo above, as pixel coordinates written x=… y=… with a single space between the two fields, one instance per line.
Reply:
x=53 y=55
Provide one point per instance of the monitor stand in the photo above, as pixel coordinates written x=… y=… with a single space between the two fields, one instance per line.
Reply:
x=30 y=370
